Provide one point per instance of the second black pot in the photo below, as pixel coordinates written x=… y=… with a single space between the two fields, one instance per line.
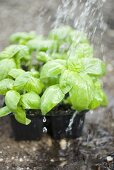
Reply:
x=65 y=126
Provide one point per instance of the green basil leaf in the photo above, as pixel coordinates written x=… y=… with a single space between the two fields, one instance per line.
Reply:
x=23 y=52
x=35 y=85
x=81 y=51
x=20 y=116
x=100 y=98
x=62 y=56
x=5 y=85
x=82 y=92
x=19 y=51
x=5 y=66
x=22 y=37
x=21 y=81
x=52 y=68
x=28 y=82
x=4 y=111
x=12 y=99
x=61 y=33
x=93 y=66
x=75 y=64
x=15 y=38
x=65 y=81
x=35 y=73
x=50 y=98
x=51 y=81
x=16 y=72
x=90 y=66
x=30 y=100
x=43 y=57
x=43 y=45
x=9 y=52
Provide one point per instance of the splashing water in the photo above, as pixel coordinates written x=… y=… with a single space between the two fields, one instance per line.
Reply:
x=84 y=15
x=65 y=12
x=91 y=21
x=69 y=128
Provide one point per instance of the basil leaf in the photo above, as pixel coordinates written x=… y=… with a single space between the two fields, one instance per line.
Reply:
x=52 y=68
x=65 y=81
x=12 y=99
x=43 y=45
x=90 y=66
x=75 y=64
x=22 y=37
x=30 y=101
x=82 y=92
x=51 y=81
x=81 y=51
x=93 y=66
x=61 y=56
x=19 y=51
x=35 y=85
x=23 y=52
x=43 y=57
x=100 y=98
x=15 y=38
x=35 y=73
x=9 y=52
x=50 y=98
x=20 y=116
x=28 y=82
x=61 y=33
x=4 y=111
x=5 y=85
x=5 y=66
x=16 y=72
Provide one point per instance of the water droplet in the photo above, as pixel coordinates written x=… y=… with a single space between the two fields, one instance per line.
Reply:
x=44 y=130
x=44 y=119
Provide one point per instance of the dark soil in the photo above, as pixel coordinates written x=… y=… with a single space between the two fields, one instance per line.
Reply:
x=62 y=109
x=97 y=142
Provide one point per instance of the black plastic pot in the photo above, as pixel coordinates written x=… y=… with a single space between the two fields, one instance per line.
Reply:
x=33 y=131
x=57 y=124
x=62 y=126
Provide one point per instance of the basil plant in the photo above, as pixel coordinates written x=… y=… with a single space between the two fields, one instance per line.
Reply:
x=77 y=77
x=60 y=69
x=21 y=91
x=53 y=46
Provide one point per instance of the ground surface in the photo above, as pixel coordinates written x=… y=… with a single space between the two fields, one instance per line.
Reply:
x=85 y=153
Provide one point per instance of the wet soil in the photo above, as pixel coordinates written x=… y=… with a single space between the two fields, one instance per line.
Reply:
x=97 y=142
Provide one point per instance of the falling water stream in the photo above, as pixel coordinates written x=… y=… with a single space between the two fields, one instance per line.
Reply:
x=69 y=128
x=84 y=15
